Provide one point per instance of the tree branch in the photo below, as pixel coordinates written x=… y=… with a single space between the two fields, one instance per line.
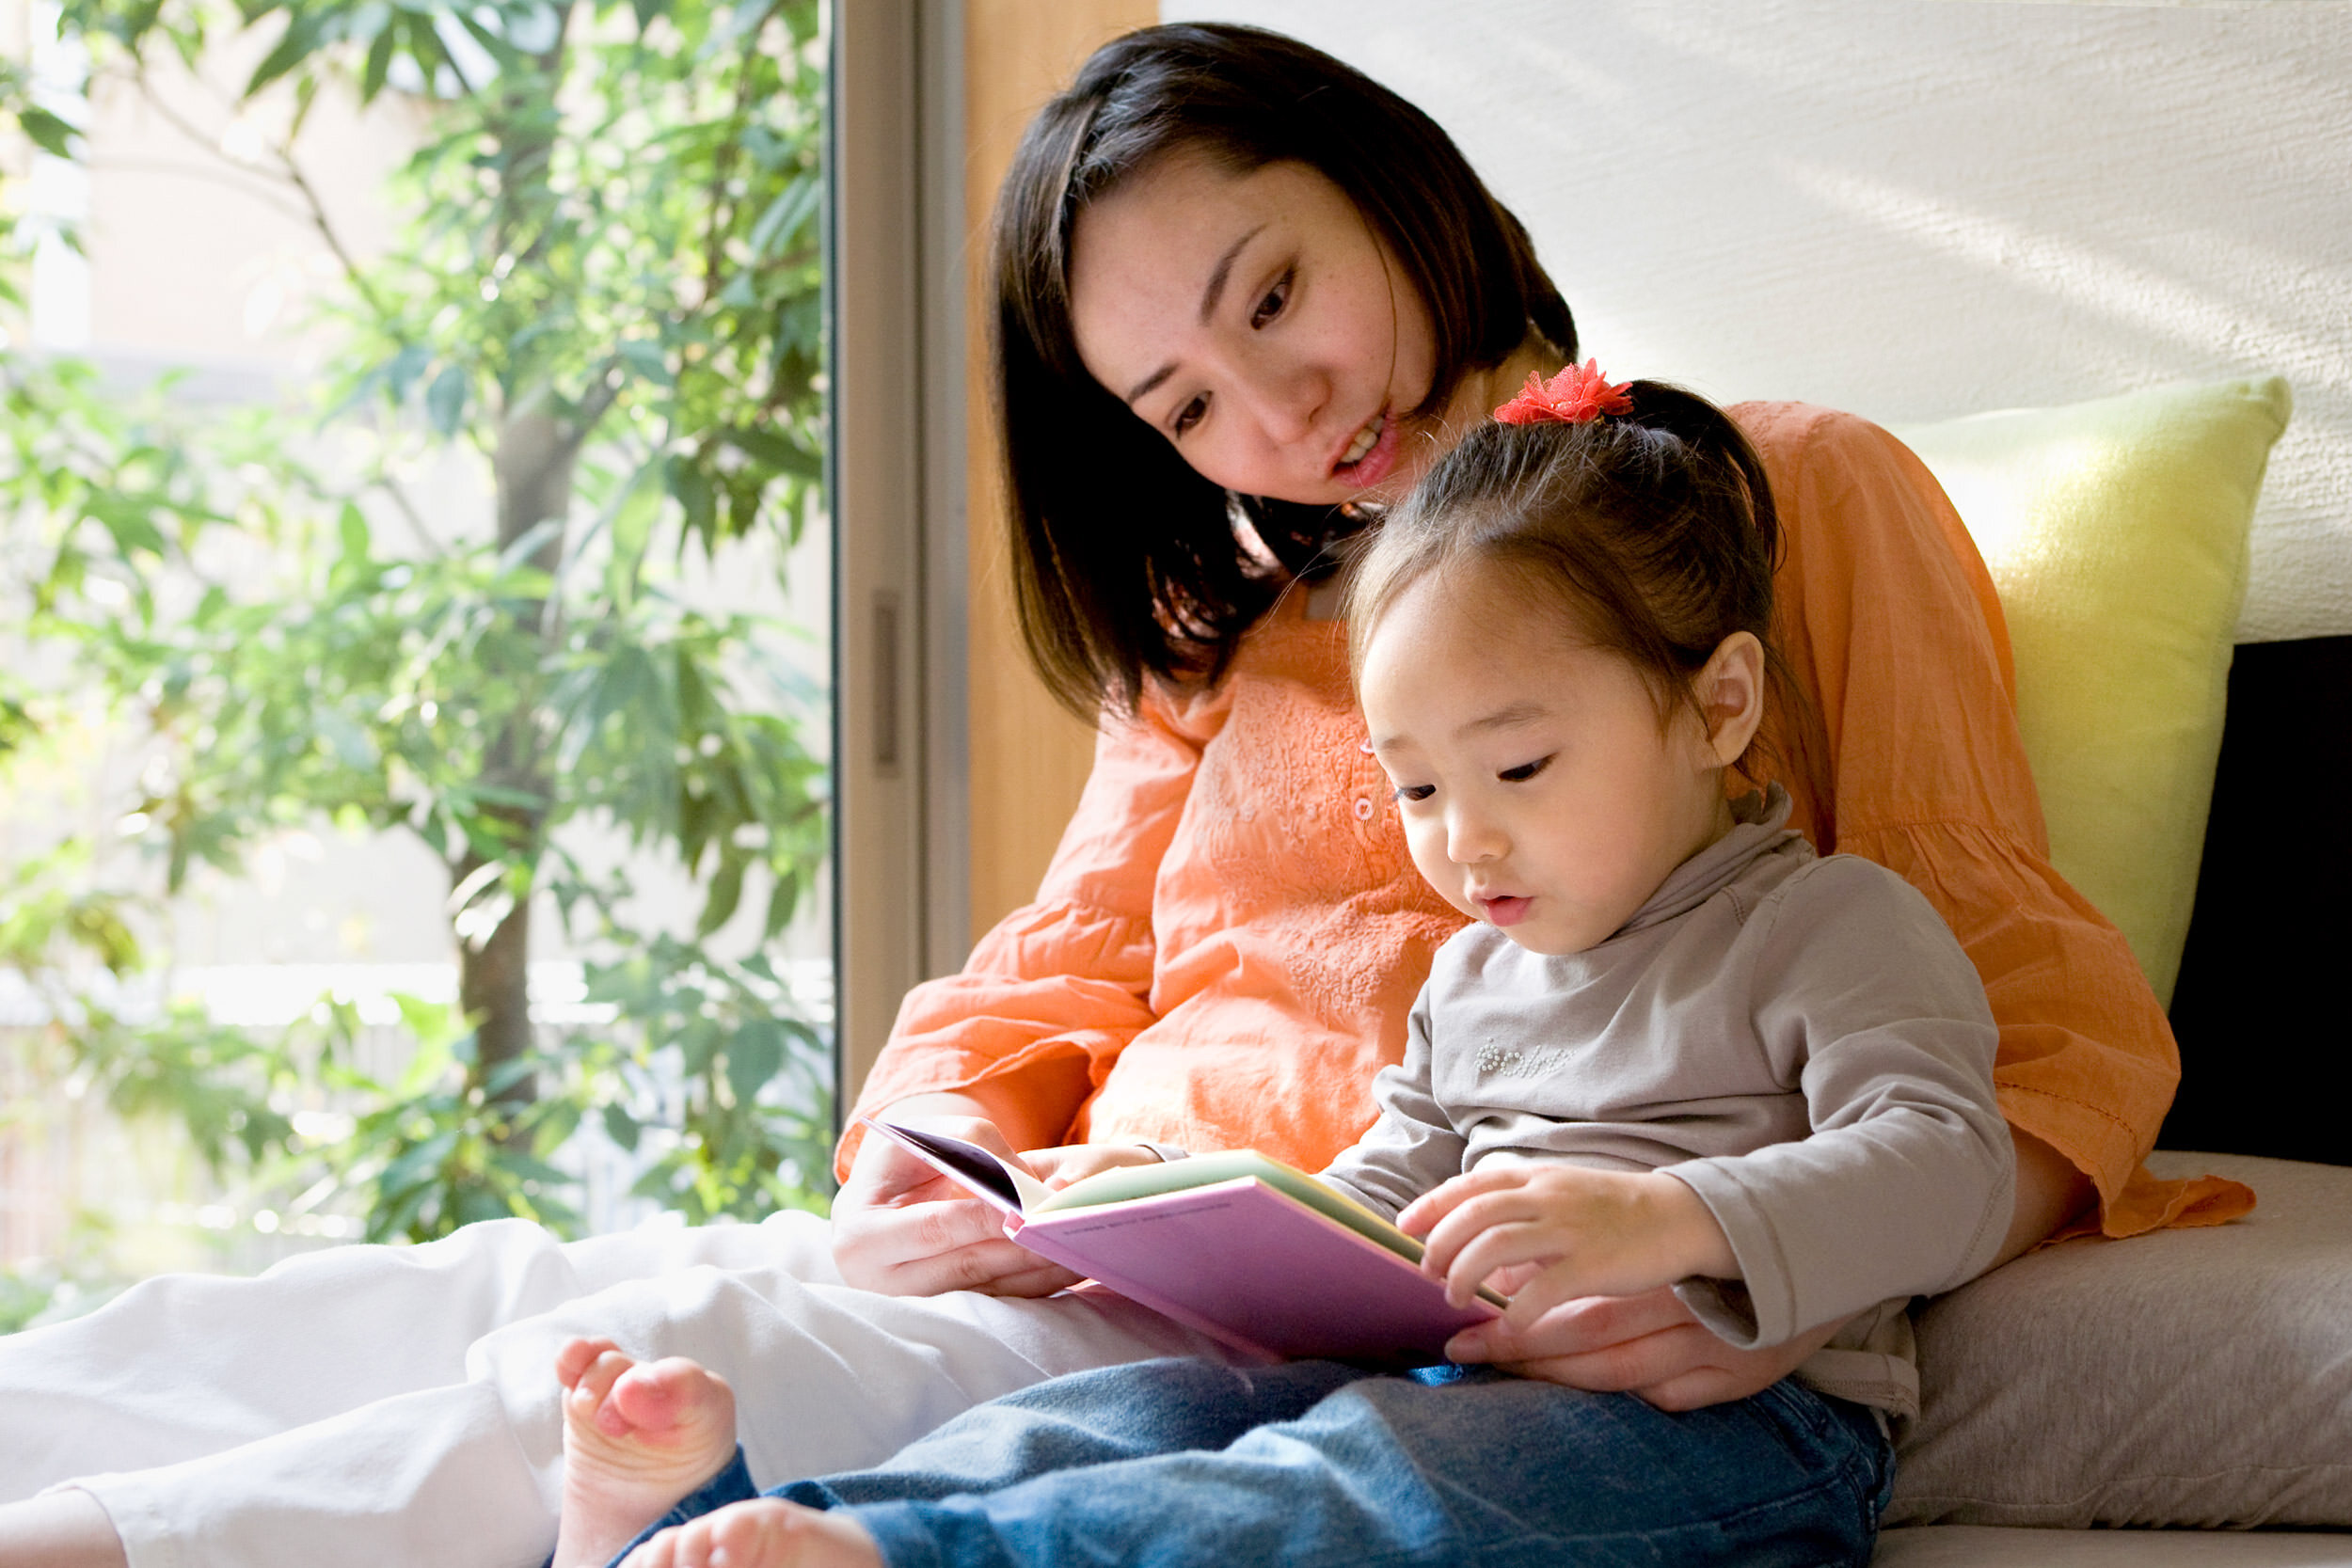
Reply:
x=384 y=481
x=310 y=209
x=352 y=273
x=236 y=179
x=722 y=162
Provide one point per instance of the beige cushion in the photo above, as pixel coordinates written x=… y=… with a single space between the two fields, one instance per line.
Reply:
x=2189 y=1377
x=1986 y=1546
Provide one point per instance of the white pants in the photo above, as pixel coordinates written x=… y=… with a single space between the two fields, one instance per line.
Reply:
x=381 y=1405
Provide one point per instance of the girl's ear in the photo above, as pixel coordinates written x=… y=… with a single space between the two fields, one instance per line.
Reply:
x=1730 y=689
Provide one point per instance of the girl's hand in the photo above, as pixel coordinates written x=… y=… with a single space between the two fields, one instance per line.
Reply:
x=901 y=1228
x=1647 y=1345
x=1561 y=1231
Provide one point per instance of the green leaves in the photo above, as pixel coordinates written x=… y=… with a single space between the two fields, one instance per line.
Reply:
x=451 y=1150
x=47 y=132
x=445 y=400
x=607 y=284
x=42 y=128
x=626 y=225
x=755 y=1081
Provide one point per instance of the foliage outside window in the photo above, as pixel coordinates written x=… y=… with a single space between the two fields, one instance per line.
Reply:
x=607 y=285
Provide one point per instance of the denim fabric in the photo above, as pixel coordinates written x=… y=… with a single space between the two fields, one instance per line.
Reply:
x=1314 y=1463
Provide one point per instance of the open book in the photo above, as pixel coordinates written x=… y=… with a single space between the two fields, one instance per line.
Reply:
x=1244 y=1249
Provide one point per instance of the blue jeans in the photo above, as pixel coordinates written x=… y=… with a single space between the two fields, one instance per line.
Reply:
x=1314 y=1463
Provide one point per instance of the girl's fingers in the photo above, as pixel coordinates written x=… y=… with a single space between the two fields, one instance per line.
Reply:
x=1494 y=1248
x=1475 y=1215
x=1424 y=1213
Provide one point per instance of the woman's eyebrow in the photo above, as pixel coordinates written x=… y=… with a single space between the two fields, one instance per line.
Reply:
x=1218 y=275
x=1224 y=269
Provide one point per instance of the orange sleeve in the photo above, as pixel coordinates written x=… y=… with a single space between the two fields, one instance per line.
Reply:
x=1889 y=621
x=1067 y=975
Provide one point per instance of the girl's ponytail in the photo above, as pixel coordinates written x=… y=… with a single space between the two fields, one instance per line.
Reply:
x=1652 y=530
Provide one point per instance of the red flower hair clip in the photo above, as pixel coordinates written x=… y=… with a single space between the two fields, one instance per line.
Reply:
x=1577 y=395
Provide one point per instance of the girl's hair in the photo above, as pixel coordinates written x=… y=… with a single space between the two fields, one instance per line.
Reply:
x=1652 y=533
x=1126 y=565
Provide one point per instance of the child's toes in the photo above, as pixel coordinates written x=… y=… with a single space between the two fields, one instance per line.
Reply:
x=770 y=1533
x=697 y=1543
x=675 y=1393
x=739 y=1537
x=577 y=1356
x=590 y=1400
x=661 y=1552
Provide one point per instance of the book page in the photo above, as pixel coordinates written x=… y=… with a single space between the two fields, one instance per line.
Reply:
x=1201 y=1170
x=989 y=1178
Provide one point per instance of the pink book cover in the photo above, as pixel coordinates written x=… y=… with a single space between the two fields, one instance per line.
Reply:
x=1237 y=1260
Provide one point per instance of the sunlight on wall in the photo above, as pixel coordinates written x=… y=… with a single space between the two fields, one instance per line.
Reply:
x=1922 y=210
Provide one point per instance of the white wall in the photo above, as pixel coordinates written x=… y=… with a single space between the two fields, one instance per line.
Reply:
x=1916 y=210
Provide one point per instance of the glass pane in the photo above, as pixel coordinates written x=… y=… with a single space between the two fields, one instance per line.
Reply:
x=414 y=589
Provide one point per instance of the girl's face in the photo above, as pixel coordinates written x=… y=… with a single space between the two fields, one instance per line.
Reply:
x=1258 y=322
x=1537 y=789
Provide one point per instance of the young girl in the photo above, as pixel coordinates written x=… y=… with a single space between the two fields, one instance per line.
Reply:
x=1676 y=1049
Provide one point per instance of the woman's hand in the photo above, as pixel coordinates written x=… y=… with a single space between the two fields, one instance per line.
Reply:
x=1058 y=1167
x=903 y=1229
x=1647 y=1345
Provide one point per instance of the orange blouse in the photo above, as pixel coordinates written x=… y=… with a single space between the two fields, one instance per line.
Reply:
x=1232 y=933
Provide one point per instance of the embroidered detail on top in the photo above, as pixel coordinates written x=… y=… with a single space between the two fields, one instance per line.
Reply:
x=1520 y=1064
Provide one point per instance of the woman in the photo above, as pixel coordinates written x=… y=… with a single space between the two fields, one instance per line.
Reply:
x=1226 y=267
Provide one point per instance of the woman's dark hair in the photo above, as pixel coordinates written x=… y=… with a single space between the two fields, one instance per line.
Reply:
x=1652 y=533
x=1126 y=563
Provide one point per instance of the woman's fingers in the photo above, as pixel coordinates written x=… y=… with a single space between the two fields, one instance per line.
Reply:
x=920 y=1244
x=897 y=1223
x=1649 y=1345
x=901 y=1228
x=1058 y=1167
x=995 y=1272
x=1591 y=1326
x=911 y=1254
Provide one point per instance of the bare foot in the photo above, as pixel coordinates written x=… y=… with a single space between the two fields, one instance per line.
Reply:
x=635 y=1439
x=766 y=1532
x=59 y=1530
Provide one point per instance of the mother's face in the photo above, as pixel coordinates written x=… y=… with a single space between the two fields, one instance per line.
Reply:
x=1259 y=323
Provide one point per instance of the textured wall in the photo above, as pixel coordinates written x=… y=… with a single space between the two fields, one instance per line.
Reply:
x=1918 y=210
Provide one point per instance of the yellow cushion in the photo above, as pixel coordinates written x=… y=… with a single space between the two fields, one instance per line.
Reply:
x=2115 y=532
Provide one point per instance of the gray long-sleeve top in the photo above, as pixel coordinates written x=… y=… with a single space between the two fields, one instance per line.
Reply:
x=1799 y=1038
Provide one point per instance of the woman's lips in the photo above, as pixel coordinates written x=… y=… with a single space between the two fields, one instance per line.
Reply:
x=1375 y=464
x=1508 y=909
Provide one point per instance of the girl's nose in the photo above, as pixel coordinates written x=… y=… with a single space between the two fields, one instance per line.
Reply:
x=1471 y=838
